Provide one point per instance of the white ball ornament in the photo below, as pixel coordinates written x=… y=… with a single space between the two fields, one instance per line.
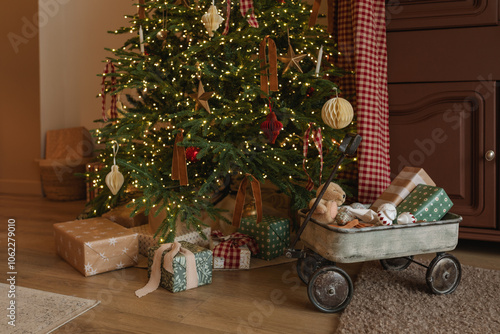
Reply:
x=406 y=218
x=387 y=213
x=337 y=113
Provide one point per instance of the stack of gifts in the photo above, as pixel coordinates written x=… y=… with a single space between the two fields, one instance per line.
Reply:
x=272 y=234
x=232 y=251
x=412 y=197
x=96 y=245
x=177 y=266
x=183 y=233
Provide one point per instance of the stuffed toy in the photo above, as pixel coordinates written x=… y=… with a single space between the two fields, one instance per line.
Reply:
x=327 y=208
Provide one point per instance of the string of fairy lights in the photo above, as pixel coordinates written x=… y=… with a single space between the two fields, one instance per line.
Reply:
x=162 y=77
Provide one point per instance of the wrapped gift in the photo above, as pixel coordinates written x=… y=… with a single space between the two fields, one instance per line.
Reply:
x=426 y=203
x=96 y=245
x=272 y=234
x=232 y=251
x=122 y=216
x=177 y=266
x=402 y=186
x=147 y=239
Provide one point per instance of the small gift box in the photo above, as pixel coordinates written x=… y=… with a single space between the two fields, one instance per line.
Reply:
x=426 y=203
x=96 y=245
x=402 y=186
x=122 y=216
x=177 y=266
x=232 y=251
x=147 y=239
x=272 y=235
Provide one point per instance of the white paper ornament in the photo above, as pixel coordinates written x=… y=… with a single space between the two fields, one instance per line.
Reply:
x=337 y=113
x=387 y=213
x=212 y=20
x=406 y=218
x=114 y=179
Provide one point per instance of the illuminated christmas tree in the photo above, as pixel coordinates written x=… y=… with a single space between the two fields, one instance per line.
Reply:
x=229 y=100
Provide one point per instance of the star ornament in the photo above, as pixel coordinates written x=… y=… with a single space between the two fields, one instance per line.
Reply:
x=292 y=59
x=201 y=97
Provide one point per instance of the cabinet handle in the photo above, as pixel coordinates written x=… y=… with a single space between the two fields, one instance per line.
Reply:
x=490 y=155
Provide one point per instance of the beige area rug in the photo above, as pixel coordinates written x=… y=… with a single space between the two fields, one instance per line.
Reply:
x=400 y=302
x=39 y=311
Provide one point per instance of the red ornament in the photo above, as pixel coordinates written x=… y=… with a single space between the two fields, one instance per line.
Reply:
x=191 y=153
x=271 y=127
x=309 y=91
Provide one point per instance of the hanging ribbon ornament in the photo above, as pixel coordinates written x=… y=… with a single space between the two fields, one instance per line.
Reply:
x=330 y=14
x=268 y=66
x=245 y=6
x=179 y=164
x=109 y=69
x=271 y=126
x=318 y=142
x=114 y=179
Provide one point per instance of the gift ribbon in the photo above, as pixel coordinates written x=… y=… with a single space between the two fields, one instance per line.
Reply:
x=240 y=199
x=229 y=247
x=315 y=11
x=179 y=165
x=168 y=260
x=109 y=68
x=317 y=138
x=268 y=66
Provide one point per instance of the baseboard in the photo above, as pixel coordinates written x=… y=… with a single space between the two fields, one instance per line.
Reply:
x=21 y=187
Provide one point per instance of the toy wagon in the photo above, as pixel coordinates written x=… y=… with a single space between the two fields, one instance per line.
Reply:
x=330 y=288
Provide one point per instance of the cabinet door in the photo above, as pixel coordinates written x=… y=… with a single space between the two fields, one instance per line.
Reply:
x=447 y=128
x=431 y=14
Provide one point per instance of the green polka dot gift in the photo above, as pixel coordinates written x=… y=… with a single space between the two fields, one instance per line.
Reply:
x=426 y=203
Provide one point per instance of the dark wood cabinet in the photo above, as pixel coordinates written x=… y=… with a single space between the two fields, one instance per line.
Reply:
x=444 y=99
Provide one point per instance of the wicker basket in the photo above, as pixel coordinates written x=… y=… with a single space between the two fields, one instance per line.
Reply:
x=59 y=182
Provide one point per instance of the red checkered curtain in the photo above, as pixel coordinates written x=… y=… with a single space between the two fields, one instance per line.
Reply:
x=361 y=34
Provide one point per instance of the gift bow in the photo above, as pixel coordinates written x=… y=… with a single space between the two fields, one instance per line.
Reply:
x=168 y=260
x=229 y=247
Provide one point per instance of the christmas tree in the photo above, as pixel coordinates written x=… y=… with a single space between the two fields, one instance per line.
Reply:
x=213 y=102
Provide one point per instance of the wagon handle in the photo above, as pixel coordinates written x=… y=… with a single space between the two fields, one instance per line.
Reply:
x=348 y=147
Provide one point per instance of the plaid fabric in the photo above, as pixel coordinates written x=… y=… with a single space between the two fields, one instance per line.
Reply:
x=318 y=138
x=229 y=248
x=245 y=6
x=228 y=11
x=362 y=43
x=109 y=68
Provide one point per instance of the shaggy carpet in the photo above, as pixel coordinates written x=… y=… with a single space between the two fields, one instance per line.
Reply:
x=36 y=311
x=401 y=302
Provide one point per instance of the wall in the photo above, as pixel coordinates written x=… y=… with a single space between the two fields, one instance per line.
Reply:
x=71 y=53
x=19 y=99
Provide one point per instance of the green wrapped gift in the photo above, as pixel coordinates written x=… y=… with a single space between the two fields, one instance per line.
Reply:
x=272 y=235
x=426 y=203
x=178 y=280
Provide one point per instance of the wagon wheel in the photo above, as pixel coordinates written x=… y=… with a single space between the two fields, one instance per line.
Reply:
x=306 y=266
x=330 y=289
x=397 y=263
x=443 y=274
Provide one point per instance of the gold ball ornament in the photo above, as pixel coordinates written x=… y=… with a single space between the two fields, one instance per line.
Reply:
x=337 y=113
x=162 y=35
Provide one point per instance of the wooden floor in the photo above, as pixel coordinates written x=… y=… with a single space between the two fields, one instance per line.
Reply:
x=266 y=300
